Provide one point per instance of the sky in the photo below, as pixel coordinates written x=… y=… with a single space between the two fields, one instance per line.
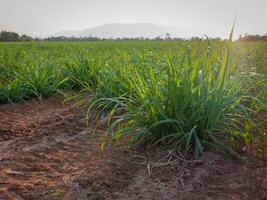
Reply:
x=212 y=17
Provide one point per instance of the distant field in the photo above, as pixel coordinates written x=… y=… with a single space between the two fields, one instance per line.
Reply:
x=185 y=93
x=21 y=63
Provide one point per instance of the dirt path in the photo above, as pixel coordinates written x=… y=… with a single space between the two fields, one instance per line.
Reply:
x=47 y=153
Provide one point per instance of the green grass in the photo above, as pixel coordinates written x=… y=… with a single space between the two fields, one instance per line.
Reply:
x=188 y=95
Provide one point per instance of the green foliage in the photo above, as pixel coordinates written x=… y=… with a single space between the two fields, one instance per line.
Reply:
x=191 y=95
x=81 y=69
x=186 y=101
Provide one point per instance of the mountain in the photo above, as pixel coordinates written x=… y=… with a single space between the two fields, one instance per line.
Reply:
x=67 y=33
x=119 y=30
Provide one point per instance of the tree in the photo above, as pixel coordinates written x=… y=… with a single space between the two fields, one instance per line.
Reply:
x=25 y=38
x=9 y=36
x=168 y=36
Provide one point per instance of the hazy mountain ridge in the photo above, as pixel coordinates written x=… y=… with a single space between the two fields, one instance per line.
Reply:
x=133 y=30
x=119 y=30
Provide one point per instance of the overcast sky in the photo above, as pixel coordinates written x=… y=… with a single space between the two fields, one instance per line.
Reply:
x=214 y=17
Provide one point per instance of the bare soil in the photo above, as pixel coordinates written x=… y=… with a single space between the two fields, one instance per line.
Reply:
x=48 y=153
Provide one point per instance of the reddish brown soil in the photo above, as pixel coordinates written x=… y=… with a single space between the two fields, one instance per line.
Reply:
x=47 y=153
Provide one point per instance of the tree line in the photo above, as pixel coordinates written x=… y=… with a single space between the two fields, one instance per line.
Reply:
x=253 y=38
x=6 y=36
